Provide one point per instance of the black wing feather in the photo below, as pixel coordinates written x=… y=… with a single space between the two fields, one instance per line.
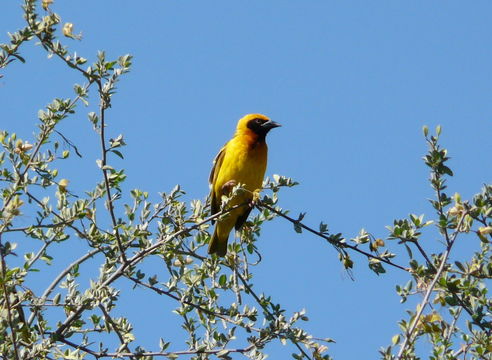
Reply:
x=215 y=198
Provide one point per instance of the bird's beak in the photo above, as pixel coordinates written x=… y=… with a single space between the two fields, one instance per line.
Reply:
x=270 y=125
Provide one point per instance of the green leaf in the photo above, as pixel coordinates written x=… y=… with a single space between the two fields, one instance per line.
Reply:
x=118 y=153
x=446 y=170
x=153 y=280
x=222 y=280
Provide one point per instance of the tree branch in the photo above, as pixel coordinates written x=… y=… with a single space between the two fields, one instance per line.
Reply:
x=425 y=301
x=336 y=244
x=99 y=355
x=115 y=328
x=138 y=257
x=197 y=307
x=102 y=110
x=38 y=254
x=61 y=276
x=42 y=138
x=258 y=300
x=6 y=295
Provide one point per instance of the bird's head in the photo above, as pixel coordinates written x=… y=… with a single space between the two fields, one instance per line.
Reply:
x=257 y=124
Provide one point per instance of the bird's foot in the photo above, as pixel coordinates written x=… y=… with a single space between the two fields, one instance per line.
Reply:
x=227 y=187
x=256 y=198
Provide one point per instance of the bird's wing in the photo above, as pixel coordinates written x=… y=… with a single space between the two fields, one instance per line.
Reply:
x=215 y=198
x=241 y=219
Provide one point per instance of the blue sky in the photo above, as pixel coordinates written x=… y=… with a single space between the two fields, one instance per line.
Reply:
x=351 y=82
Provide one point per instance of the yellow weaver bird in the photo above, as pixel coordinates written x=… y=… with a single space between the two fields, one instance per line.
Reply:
x=243 y=161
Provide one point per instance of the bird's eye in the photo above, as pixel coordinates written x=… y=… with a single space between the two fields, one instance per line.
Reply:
x=259 y=121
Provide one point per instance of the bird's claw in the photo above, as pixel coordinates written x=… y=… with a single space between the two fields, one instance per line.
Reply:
x=227 y=187
x=256 y=198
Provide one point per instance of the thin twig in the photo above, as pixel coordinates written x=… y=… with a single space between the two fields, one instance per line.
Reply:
x=102 y=108
x=99 y=355
x=48 y=45
x=115 y=328
x=425 y=301
x=61 y=276
x=182 y=301
x=440 y=210
x=66 y=222
x=335 y=243
x=38 y=255
x=6 y=295
x=470 y=312
x=81 y=347
x=43 y=136
x=39 y=226
x=258 y=300
x=453 y=325
x=235 y=286
x=138 y=257
x=424 y=254
x=70 y=144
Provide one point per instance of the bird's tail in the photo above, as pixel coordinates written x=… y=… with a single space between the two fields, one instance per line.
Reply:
x=218 y=243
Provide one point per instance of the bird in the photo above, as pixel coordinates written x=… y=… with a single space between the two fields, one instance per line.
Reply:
x=242 y=160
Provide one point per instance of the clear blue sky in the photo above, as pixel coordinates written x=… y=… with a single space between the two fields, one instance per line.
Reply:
x=352 y=83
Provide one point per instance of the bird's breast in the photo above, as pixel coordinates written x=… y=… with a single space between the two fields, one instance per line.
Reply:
x=245 y=162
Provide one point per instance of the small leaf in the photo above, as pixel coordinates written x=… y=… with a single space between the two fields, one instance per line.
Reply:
x=56 y=299
x=118 y=153
x=222 y=353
